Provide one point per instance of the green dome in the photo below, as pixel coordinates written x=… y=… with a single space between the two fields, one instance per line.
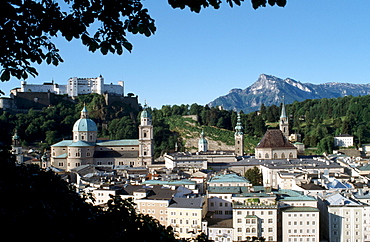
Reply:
x=145 y=114
x=84 y=124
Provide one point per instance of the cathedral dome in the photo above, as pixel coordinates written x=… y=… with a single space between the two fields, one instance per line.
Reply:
x=84 y=123
x=145 y=114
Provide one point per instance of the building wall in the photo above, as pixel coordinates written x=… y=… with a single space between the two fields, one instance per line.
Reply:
x=300 y=226
x=269 y=153
x=253 y=221
x=155 y=208
x=345 y=223
x=184 y=221
x=220 y=234
x=220 y=204
x=343 y=141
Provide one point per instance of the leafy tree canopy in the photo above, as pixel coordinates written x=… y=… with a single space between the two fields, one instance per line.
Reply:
x=254 y=176
x=28 y=26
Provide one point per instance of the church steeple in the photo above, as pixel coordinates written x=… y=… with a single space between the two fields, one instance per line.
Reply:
x=284 y=121
x=239 y=137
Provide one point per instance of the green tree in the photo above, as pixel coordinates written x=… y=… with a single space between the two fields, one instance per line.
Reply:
x=63 y=214
x=254 y=176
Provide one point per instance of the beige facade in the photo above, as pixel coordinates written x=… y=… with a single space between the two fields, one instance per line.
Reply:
x=155 y=208
x=85 y=149
x=185 y=216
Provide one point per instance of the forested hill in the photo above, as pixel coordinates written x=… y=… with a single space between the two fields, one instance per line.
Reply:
x=316 y=120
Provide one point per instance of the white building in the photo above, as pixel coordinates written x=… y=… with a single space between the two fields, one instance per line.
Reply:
x=300 y=224
x=343 y=140
x=344 y=219
x=76 y=86
x=185 y=216
x=255 y=219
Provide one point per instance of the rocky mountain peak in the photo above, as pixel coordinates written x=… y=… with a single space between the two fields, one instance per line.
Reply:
x=269 y=90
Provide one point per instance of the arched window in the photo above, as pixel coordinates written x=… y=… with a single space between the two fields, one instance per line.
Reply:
x=282 y=156
x=253 y=230
x=266 y=155
x=248 y=230
x=259 y=155
x=290 y=155
x=275 y=156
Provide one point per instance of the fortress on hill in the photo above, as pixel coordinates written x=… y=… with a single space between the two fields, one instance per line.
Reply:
x=38 y=96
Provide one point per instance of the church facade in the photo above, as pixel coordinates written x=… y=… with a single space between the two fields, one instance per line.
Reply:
x=275 y=144
x=85 y=148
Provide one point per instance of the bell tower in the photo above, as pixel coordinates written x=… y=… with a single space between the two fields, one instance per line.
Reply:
x=239 y=138
x=146 y=149
x=284 y=122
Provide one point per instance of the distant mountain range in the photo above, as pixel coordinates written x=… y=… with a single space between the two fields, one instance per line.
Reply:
x=270 y=90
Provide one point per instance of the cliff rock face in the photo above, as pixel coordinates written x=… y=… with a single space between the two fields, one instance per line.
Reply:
x=270 y=90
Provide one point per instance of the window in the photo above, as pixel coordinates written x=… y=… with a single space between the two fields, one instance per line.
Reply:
x=270 y=229
x=212 y=204
x=270 y=221
x=248 y=230
x=239 y=230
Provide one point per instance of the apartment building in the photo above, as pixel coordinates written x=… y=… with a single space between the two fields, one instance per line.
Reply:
x=255 y=218
x=185 y=215
x=344 y=219
x=221 y=190
x=300 y=224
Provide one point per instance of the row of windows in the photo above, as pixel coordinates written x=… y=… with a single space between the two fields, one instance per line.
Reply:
x=220 y=212
x=61 y=164
x=301 y=215
x=294 y=231
x=153 y=204
x=240 y=238
x=255 y=213
x=301 y=223
x=276 y=155
x=186 y=214
x=301 y=239
x=186 y=221
x=220 y=204
x=253 y=221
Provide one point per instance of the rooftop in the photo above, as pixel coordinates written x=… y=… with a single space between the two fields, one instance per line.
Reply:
x=170 y=183
x=184 y=202
x=228 y=178
x=300 y=209
x=339 y=200
x=274 y=138
x=121 y=142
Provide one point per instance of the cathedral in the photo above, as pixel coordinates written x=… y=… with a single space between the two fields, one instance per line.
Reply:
x=85 y=148
x=275 y=144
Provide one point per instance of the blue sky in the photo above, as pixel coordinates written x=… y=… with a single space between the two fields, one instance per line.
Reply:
x=194 y=58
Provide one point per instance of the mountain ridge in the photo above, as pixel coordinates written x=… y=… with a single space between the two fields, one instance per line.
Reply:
x=269 y=90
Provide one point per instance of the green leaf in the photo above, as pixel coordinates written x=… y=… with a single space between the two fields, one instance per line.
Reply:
x=5 y=76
